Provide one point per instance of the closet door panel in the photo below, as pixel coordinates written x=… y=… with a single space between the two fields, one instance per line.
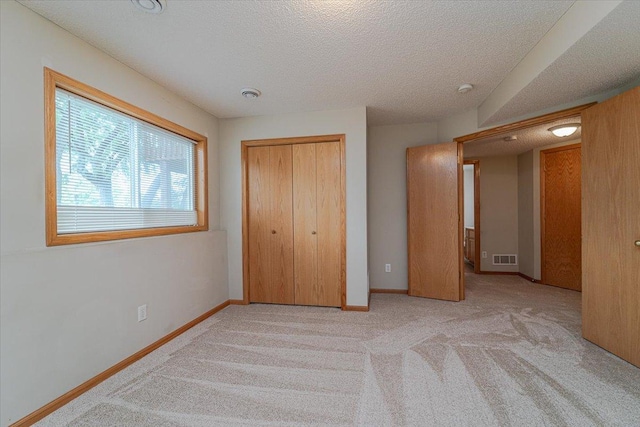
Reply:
x=281 y=188
x=259 y=224
x=305 y=226
x=329 y=228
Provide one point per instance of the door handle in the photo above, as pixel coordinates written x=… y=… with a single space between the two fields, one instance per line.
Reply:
x=637 y=243
x=313 y=232
x=273 y=231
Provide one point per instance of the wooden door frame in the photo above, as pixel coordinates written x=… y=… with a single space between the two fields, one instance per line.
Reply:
x=460 y=150
x=543 y=204
x=476 y=212
x=522 y=124
x=245 y=204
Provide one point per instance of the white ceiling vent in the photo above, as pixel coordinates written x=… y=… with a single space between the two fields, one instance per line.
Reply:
x=150 y=6
x=505 y=259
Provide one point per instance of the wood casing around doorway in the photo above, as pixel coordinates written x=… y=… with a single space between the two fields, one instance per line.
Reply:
x=317 y=196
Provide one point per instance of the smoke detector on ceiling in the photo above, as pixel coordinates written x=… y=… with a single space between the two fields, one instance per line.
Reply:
x=465 y=88
x=251 y=93
x=511 y=138
x=150 y=6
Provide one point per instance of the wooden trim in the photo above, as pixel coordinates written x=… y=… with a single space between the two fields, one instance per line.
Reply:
x=52 y=406
x=53 y=80
x=96 y=95
x=529 y=279
x=355 y=308
x=461 y=218
x=408 y=220
x=562 y=148
x=500 y=273
x=523 y=124
x=50 y=202
x=543 y=201
x=245 y=202
x=559 y=287
x=343 y=222
x=388 y=291
x=293 y=140
x=237 y=302
x=104 y=236
x=245 y=222
x=476 y=213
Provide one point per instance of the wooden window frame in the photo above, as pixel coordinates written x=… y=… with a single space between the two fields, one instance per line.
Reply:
x=54 y=80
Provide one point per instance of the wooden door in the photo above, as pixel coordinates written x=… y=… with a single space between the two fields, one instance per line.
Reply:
x=270 y=224
x=305 y=224
x=561 y=217
x=434 y=223
x=611 y=225
x=317 y=217
x=329 y=214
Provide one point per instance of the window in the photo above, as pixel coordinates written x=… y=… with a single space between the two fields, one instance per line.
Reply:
x=114 y=171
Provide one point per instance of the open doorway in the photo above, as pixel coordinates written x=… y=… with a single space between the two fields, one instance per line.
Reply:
x=471 y=208
x=510 y=218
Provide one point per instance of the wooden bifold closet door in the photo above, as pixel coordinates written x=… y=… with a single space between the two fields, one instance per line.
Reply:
x=271 y=224
x=295 y=224
x=317 y=239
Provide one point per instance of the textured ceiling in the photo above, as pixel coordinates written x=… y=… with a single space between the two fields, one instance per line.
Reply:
x=604 y=59
x=403 y=60
x=528 y=139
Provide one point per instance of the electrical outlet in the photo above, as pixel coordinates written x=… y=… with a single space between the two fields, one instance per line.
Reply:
x=142 y=312
x=484 y=254
x=387 y=268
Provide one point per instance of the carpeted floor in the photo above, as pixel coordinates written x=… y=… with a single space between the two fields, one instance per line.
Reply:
x=511 y=354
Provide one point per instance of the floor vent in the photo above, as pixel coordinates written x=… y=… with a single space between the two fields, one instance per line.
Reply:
x=505 y=259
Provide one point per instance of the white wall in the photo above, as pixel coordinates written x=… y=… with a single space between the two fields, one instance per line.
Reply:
x=498 y=209
x=387 y=198
x=469 y=193
x=458 y=125
x=69 y=312
x=352 y=123
x=526 y=214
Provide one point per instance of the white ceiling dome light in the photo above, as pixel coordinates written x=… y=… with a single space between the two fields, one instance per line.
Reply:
x=562 y=131
x=150 y=6
x=251 y=93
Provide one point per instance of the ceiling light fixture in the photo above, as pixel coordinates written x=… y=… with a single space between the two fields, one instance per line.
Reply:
x=251 y=93
x=510 y=138
x=150 y=6
x=465 y=88
x=564 y=130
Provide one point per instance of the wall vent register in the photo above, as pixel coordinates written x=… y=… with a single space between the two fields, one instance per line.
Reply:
x=505 y=259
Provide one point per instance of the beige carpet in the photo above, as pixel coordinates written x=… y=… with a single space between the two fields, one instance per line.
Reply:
x=511 y=354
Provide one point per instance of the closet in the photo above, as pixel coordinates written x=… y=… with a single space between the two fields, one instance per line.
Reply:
x=294 y=221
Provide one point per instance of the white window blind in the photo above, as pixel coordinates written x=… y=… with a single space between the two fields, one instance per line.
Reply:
x=115 y=172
